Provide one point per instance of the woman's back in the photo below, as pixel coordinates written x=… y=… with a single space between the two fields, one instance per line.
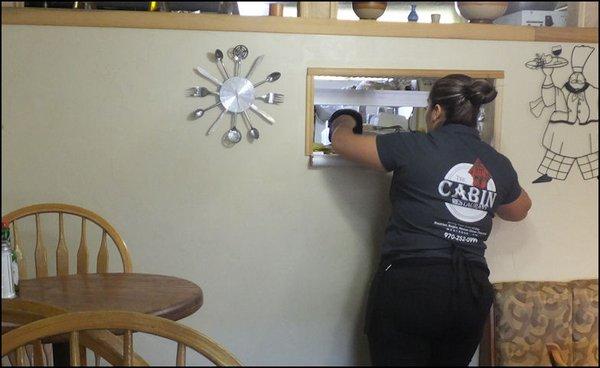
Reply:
x=446 y=186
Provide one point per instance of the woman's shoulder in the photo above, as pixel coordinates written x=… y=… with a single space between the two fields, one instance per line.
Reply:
x=499 y=161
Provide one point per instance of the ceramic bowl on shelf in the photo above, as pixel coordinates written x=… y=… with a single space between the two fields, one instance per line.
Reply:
x=481 y=11
x=369 y=9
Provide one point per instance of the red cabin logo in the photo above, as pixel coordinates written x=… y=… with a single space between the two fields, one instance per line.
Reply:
x=480 y=175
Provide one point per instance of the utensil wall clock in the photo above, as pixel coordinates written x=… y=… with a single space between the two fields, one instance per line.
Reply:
x=235 y=95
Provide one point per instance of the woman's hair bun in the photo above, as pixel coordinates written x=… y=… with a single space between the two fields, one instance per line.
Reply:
x=480 y=92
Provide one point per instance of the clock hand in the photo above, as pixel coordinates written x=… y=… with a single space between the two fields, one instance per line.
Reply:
x=237 y=99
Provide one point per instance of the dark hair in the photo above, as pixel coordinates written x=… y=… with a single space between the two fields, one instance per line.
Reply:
x=461 y=97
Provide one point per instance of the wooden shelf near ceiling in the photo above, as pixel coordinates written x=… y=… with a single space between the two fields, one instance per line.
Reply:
x=266 y=24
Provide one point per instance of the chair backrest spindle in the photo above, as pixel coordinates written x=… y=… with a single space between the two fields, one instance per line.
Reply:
x=22 y=359
x=180 y=355
x=74 y=348
x=39 y=358
x=128 y=348
x=62 y=252
x=41 y=257
x=82 y=252
x=102 y=265
x=83 y=354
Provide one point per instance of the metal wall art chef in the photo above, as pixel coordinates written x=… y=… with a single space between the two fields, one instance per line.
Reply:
x=571 y=134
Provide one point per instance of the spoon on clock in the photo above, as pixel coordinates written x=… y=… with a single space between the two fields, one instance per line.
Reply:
x=196 y=114
x=219 y=57
x=270 y=78
x=233 y=135
x=253 y=133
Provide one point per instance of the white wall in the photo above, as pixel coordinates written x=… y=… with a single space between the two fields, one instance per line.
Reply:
x=284 y=253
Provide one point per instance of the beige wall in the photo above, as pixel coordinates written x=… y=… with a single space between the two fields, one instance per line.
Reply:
x=284 y=253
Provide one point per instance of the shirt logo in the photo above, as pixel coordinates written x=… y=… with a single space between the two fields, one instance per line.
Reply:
x=480 y=175
x=471 y=189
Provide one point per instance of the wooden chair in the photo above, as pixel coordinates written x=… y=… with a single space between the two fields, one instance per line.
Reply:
x=76 y=323
x=104 y=344
x=18 y=312
x=62 y=253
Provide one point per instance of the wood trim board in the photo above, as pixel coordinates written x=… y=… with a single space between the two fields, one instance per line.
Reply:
x=291 y=25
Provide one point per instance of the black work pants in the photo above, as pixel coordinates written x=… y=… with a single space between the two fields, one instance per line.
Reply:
x=427 y=314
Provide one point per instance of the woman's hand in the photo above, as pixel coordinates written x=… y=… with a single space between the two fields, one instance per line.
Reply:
x=355 y=115
x=354 y=147
x=343 y=120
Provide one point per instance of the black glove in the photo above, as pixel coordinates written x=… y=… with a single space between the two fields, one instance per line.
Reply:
x=352 y=113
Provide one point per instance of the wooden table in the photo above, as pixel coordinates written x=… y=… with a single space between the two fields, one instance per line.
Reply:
x=163 y=296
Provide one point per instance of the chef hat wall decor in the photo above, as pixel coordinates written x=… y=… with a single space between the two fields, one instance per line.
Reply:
x=571 y=135
x=235 y=95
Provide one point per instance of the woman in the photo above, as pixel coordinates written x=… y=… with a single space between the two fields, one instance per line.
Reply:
x=430 y=296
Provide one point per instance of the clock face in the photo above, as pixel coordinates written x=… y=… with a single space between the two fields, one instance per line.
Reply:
x=236 y=94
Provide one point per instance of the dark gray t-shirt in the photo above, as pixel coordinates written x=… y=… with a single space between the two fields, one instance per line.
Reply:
x=445 y=189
